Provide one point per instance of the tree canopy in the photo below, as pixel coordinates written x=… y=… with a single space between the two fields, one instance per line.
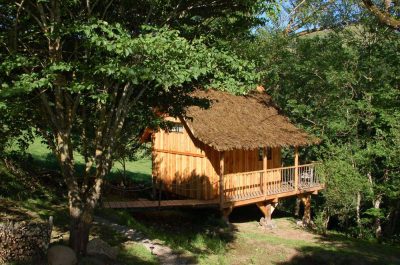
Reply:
x=88 y=75
x=342 y=84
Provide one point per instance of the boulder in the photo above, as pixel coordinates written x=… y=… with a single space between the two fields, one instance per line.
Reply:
x=97 y=246
x=61 y=255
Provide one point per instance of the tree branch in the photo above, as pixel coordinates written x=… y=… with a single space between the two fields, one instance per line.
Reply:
x=320 y=8
x=292 y=16
x=50 y=113
x=383 y=16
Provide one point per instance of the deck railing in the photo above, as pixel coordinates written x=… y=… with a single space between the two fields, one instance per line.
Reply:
x=247 y=185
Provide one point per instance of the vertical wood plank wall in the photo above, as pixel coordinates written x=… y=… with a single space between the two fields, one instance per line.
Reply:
x=190 y=168
x=186 y=166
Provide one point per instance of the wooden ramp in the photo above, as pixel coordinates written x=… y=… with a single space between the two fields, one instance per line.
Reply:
x=136 y=204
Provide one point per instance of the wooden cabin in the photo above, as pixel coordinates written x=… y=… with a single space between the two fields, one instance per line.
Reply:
x=230 y=153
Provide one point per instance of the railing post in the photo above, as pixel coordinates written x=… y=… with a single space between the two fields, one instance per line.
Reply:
x=221 y=179
x=265 y=167
x=296 y=168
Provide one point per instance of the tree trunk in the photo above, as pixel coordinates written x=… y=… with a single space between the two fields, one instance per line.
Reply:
x=80 y=224
x=297 y=207
x=358 y=206
x=325 y=218
x=306 y=199
x=393 y=220
x=376 y=203
x=377 y=221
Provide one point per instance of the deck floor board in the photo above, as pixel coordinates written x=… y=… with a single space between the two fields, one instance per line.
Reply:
x=162 y=204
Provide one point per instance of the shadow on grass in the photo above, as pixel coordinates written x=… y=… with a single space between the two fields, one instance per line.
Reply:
x=45 y=209
x=129 y=252
x=339 y=250
x=201 y=232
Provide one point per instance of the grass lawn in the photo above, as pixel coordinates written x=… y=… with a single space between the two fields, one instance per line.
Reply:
x=289 y=244
x=136 y=170
x=201 y=235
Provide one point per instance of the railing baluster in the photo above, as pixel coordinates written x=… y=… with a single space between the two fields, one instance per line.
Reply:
x=245 y=185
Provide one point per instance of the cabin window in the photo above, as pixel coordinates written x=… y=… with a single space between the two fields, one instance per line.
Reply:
x=261 y=155
x=178 y=128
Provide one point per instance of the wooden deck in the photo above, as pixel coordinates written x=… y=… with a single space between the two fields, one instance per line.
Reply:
x=275 y=182
x=139 y=204
x=244 y=188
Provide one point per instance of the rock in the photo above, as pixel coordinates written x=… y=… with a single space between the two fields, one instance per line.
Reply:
x=267 y=224
x=304 y=224
x=97 y=246
x=61 y=255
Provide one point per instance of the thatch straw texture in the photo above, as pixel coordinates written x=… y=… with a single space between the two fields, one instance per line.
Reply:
x=243 y=122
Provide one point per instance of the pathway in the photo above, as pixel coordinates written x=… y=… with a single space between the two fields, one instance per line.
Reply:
x=165 y=254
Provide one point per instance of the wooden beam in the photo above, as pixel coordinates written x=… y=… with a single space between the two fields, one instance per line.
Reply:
x=179 y=153
x=221 y=177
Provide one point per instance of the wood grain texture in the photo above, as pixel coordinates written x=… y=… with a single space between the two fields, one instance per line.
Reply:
x=190 y=168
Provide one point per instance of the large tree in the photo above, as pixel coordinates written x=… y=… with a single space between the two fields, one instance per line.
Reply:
x=88 y=74
x=344 y=87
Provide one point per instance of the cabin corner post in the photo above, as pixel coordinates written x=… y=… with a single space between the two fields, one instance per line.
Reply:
x=221 y=178
x=296 y=168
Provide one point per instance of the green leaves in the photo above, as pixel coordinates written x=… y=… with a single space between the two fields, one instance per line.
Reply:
x=163 y=57
x=343 y=87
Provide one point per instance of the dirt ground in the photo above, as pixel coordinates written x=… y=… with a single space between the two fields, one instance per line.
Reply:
x=290 y=244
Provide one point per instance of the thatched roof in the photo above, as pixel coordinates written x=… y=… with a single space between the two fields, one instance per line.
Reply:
x=243 y=122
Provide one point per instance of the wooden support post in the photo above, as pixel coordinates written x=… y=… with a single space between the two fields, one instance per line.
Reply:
x=266 y=209
x=265 y=167
x=306 y=199
x=296 y=168
x=225 y=213
x=221 y=179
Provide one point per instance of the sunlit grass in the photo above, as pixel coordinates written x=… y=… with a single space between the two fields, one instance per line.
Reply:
x=139 y=170
x=135 y=253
